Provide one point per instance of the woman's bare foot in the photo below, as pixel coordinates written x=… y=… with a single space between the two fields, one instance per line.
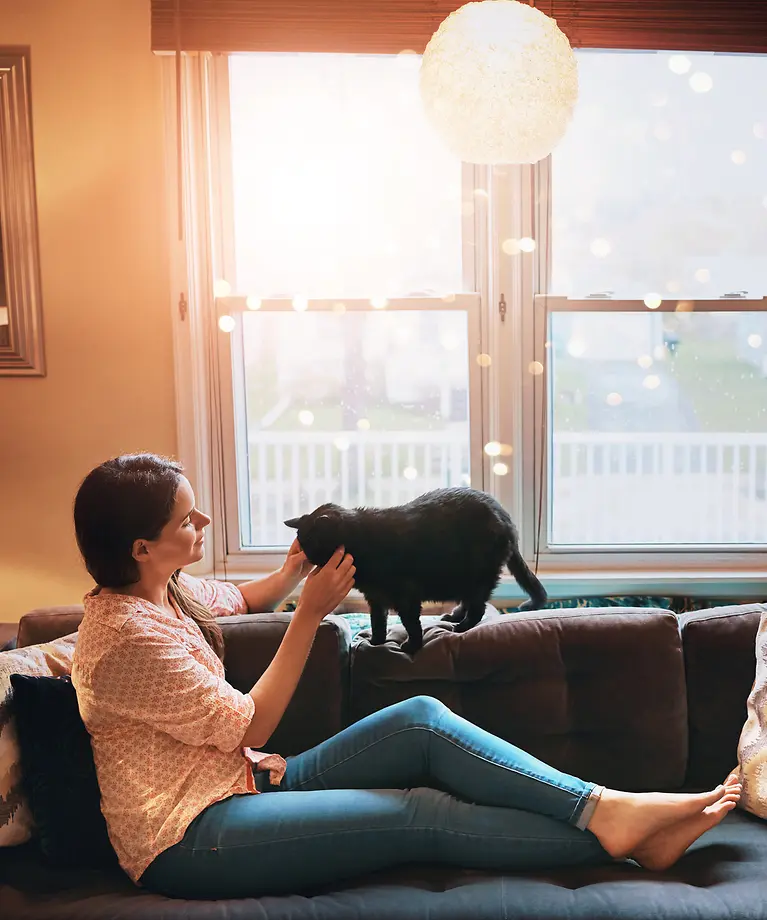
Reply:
x=623 y=821
x=664 y=848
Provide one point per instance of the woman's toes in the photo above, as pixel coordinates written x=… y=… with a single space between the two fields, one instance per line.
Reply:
x=733 y=779
x=708 y=798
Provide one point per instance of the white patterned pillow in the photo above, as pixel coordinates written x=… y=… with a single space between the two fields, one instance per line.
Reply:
x=50 y=659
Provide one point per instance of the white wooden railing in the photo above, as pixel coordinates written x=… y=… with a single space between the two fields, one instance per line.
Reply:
x=659 y=488
x=606 y=488
x=292 y=472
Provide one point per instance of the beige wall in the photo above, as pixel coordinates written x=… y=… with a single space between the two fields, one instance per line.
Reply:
x=97 y=117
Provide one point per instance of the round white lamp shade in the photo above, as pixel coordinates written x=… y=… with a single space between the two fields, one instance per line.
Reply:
x=499 y=82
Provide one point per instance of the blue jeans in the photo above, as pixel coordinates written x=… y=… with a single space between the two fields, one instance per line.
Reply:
x=413 y=783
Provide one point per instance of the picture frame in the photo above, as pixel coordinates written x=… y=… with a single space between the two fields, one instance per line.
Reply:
x=22 y=350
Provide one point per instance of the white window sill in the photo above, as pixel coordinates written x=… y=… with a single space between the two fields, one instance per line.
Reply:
x=710 y=584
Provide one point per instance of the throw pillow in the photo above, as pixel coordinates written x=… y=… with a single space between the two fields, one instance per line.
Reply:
x=50 y=658
x=58 y=775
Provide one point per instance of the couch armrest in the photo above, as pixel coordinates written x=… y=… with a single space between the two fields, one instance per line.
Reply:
x=45 y=624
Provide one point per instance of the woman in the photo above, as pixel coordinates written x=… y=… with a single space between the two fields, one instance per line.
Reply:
x=172 y=740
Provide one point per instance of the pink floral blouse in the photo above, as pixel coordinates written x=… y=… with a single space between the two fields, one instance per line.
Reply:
x=165 y=725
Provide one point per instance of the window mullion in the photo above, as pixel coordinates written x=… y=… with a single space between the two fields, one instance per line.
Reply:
x=477 y=239
x=513 y=346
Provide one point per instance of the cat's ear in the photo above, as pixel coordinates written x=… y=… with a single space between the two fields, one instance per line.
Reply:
x=326 y=526
x=294 y=523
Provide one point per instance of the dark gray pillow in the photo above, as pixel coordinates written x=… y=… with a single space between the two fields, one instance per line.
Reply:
x=58 y=775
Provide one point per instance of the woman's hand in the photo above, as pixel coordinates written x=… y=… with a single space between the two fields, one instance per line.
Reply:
x=295 y=568
x=326 y=587
x=324 y=590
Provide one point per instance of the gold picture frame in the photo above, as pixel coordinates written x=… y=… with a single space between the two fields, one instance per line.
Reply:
x=22 y=350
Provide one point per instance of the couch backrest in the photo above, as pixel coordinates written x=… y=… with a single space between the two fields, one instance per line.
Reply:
x=719 y=649
x=616 y=695
x=595 y=692
x=319 y=708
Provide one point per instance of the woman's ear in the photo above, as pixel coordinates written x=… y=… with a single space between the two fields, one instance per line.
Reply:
x=140 y=551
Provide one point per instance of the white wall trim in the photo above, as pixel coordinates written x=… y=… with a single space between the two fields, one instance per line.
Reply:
x=191 y=276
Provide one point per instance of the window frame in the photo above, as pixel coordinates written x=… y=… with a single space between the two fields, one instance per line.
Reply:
x=640 y=567
x=505 y=403
x=241 y=558
x=208 y=421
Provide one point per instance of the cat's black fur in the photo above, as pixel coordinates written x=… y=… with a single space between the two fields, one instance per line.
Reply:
x=445 y=545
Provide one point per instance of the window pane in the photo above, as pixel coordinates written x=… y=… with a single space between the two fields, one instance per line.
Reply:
x=659 y=428
x=340 y=187
x=376 y=415
x=661 y=188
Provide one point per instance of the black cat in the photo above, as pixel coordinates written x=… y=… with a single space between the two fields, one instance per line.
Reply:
x=445 y=545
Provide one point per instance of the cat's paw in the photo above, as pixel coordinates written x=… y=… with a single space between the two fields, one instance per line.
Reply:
x=409 y=647
x=377 y=640
x=530 y=604
x=463 y=626
x=455 y=615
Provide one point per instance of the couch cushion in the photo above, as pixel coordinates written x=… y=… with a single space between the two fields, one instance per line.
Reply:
x=719 y=649
x=599 y=693
x=722 y=877
x=319 y=706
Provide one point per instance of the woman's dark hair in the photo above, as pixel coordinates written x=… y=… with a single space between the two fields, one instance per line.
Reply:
x=126 y=499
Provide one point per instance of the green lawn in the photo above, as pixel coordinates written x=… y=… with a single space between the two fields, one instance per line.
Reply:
x=330 y=418
x=727 y=394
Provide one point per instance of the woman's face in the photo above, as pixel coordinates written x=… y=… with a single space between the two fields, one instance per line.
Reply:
x=181 y=541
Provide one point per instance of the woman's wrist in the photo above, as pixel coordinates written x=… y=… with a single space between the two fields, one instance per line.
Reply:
x=288 y=582
x=306 y=611
x=269 y=592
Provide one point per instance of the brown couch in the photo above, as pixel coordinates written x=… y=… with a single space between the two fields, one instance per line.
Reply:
x=632 y=698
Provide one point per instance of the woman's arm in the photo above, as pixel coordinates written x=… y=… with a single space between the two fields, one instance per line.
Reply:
x=266 y=593
x=325 y=588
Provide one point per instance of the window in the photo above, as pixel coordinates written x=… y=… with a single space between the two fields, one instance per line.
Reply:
x=352 y=269
x=657 y=188
x=356 y=407
x=340 y=189
x=659 y=428
x=585 y=338
x=656 y=331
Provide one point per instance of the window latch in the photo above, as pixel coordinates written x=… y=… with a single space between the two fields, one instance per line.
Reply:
x=183 y=306
x=502 y=308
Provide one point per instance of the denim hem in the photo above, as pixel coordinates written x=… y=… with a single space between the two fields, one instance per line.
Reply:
x=587 y=808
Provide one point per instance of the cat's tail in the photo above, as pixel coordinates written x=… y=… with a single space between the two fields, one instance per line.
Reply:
x=527 y=581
